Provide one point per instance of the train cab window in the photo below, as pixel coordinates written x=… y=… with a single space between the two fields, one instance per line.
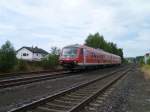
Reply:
x=70 y=52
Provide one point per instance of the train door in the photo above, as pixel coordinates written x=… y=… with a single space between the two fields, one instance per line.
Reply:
x=84 y=56
x=81 y=56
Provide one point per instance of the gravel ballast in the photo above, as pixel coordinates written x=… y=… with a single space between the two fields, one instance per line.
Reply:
x=132 y=94
x=18 y=96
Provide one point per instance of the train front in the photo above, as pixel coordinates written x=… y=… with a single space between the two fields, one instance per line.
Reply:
x=69 y=57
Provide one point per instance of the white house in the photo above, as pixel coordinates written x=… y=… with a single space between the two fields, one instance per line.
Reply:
x=31 y=53
x=146 y=57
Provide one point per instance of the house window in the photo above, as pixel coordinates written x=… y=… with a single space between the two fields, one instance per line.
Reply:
x=25 y=54
x=37 y=54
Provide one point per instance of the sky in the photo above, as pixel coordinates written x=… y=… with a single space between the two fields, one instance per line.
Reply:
x=48 y=23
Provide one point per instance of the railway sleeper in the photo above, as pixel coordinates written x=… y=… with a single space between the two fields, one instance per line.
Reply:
x=92 y=88
x=45 y=109
x=94 y=104
x=34 y=110
x=30 y=111
x=73 y=98
x=101 y=98
x=99 y=101
x=76 y=96
x=57 y=106
x=60 y=102
x=70 y=99
x=85 y=91
x=90 y=109
x=87 y=110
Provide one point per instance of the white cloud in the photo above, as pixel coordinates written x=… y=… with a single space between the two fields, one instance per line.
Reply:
x=5 y=29
x=63 y=22
x=139 y=45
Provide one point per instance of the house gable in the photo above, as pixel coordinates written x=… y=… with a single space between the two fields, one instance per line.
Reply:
x=30 y=53
x=24 y=54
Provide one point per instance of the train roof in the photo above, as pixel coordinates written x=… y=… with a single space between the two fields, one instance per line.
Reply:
x=90 y=48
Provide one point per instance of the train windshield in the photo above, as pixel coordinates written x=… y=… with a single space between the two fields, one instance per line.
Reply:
x=70 y=52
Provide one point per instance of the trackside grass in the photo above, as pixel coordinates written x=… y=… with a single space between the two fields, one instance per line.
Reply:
x=146 y=70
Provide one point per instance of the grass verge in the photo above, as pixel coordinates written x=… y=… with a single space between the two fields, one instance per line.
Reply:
x=146 y=70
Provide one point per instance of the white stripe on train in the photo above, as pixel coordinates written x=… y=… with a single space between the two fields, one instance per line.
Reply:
x=96 y=63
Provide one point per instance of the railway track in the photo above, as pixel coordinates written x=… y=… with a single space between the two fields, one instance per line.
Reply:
x=26 y=74
x=30 y=79
x=75 y=98
x=98 y=101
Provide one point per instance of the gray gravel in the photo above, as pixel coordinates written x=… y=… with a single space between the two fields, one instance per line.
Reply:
x=132 y=95
x=17 y=96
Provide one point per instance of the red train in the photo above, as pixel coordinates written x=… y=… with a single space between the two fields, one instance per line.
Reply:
x=81 y=56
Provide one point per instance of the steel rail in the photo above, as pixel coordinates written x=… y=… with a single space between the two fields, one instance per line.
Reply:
x=96 y=94
x=13 y=74
x=30 y=79
x=61 y=94
x=27 y=80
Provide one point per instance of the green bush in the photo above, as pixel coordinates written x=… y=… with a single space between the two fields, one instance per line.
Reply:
x=141 y=61
x=125 y=61
x=45 y=63
x=50 y=62
x=7 y=57
x=21 y=65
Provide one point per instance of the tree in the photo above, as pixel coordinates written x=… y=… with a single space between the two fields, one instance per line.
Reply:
x=120 y=53
x=98 y=41
x=55 y=50
x=52 y=60
x=139 y=59
x=7 y=57
x=95 y=41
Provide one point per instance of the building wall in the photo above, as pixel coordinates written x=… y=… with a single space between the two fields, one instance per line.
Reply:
x=21 y=54
x=25 y=54
x=37 y=56
x=146 y=57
